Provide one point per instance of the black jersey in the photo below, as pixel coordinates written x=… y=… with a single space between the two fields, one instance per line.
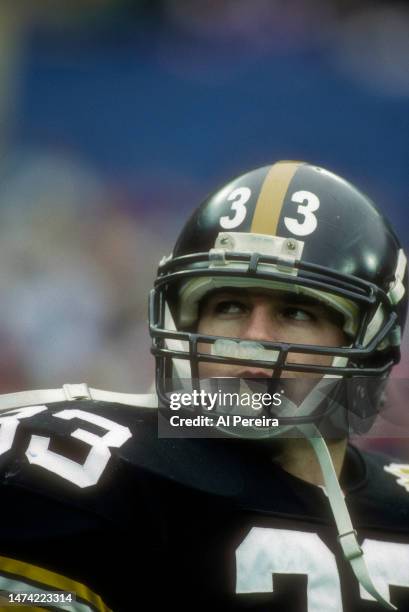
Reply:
x=94 y=503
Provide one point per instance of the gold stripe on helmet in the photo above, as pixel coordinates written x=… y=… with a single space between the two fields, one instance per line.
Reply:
x=270 y=201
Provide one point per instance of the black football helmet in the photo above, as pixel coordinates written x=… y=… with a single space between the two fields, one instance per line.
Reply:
x=289 y=226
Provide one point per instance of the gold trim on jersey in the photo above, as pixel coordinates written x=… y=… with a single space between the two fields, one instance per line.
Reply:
x=271 y=198
x=5 y=607
x=14 y=571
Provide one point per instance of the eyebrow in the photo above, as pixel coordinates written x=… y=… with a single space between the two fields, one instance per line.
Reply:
x=300 y=299
x=284 y=296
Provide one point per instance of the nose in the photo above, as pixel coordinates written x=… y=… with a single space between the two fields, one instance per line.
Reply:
x=261 y=324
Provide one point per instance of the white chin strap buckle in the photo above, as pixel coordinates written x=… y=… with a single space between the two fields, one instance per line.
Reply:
x=349 y=545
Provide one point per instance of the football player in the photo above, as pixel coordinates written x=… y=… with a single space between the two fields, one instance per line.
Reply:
x=286 y=280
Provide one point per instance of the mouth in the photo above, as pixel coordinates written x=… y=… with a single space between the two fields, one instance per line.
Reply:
x=253 y=374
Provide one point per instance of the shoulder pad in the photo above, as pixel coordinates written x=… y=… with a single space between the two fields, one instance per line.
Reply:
x=73 y=392
x=385 y=497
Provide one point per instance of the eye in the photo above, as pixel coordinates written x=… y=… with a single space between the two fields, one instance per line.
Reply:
x=230 y=307
x=298 y=314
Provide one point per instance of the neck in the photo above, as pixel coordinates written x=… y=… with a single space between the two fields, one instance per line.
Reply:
x=298 y=459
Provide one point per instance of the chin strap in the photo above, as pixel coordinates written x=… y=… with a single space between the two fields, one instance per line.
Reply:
x=347 y=535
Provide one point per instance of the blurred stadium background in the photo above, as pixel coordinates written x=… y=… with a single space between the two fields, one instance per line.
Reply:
x=118 y=116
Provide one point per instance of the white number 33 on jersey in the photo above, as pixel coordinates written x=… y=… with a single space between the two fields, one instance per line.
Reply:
x=266 y=551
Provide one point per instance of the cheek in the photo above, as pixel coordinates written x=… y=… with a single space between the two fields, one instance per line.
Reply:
x=321 y=360
x=213 y=326
x=329 y=335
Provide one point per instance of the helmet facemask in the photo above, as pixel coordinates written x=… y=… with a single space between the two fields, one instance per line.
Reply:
x=369 y=320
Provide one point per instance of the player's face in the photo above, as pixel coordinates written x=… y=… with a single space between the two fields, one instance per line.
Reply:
x=263 y=315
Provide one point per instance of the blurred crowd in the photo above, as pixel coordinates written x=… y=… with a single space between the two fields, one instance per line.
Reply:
x=76 y=271
x=80 y=238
